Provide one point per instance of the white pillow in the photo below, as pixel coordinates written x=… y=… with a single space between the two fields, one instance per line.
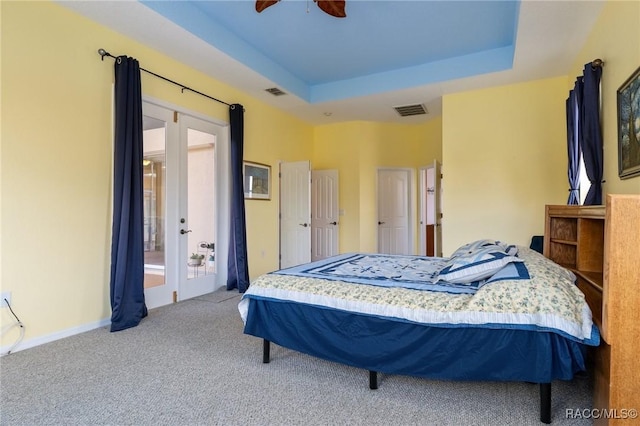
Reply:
x=510 y=249
x=475 y=265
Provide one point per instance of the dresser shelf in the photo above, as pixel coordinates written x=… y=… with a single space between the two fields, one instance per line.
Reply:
x=601 y=246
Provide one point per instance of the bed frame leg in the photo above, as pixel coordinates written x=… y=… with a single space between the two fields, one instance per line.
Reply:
x=373 y=380
x=266 y=348
x=545 y=403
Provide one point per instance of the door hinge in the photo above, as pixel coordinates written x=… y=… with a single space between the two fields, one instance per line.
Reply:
x=175 y=116
x=441 y=215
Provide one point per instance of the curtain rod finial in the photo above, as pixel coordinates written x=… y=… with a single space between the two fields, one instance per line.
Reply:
x=102 y=53
x=597 y=62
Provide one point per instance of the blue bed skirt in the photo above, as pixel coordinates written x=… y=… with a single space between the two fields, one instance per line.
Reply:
x=400 y=347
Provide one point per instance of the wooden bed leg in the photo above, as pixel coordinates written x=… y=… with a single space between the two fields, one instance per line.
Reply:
x=373 y=380
x=266 y=347
x=545 y=403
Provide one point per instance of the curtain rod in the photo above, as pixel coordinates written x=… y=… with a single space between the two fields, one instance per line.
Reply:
x=104 y=53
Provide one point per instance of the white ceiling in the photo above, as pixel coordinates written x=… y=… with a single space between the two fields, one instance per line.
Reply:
x=383 y=54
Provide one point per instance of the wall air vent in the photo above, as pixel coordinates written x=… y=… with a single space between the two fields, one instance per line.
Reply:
x=408 y=110
x=275 y=91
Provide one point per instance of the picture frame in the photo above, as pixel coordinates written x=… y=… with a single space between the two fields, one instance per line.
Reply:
x=628 y=96
x=257 y=180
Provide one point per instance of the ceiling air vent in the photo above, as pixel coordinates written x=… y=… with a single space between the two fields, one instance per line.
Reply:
x=408 y=110
x=275 y=91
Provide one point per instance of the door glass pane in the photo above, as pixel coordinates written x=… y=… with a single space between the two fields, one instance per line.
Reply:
x=201 y=203
x=154 y=189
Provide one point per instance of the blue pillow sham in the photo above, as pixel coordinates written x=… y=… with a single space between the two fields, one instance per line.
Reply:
x=478 y=261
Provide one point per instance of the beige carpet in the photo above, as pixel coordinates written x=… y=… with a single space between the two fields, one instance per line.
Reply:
x=190 y=364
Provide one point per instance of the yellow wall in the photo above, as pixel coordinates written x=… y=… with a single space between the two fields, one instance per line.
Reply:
x=1 y=257
x=56 y=161
x=504 y=158
x=616 y=40
x=270 y=138
x=357 y=150
x=502 y=149
x=337 y=147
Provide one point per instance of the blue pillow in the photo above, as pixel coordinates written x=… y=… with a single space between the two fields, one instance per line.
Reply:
x=510 y=249
x=473 y=246
x=512 y=271
x=475 y=265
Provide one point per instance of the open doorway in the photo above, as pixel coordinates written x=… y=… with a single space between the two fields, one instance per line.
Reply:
x=430 y=210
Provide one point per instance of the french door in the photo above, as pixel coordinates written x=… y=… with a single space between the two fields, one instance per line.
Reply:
x=185 y=203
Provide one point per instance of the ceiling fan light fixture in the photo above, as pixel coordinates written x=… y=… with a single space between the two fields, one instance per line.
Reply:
x=263 y=4
x=334 y=8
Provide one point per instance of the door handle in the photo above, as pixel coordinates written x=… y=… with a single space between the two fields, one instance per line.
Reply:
x=304 y=224
x=333 y=223
x=182 y=231
x=381 y=223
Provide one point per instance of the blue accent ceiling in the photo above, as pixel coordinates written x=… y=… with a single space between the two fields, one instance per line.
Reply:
x=380 y=46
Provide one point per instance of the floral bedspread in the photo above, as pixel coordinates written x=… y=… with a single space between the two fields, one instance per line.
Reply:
x=548 y=301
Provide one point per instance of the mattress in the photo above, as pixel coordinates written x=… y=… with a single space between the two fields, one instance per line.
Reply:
x=533 y=329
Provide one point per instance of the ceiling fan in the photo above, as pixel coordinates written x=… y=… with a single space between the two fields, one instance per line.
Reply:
x=332 y=7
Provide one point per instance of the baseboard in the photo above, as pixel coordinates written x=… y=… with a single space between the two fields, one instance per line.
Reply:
x=37 y=341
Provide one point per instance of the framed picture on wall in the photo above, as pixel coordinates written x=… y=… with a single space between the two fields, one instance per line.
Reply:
x=257 y=181
x=629 y=127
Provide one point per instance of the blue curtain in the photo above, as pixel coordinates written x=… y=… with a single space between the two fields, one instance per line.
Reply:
x=573 y=144
x=127 y=251
x=237 y=267
x=584 y=136
x=591 y=141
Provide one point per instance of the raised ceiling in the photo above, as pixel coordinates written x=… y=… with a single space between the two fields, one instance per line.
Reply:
x=382 y=55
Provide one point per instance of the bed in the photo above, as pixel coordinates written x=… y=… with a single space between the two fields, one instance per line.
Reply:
x=490 y=312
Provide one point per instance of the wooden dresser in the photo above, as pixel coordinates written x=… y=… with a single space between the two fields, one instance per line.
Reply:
x=601 y=245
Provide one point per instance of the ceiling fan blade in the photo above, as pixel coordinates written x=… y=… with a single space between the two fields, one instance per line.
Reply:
x=263 y=4
x=333 y=7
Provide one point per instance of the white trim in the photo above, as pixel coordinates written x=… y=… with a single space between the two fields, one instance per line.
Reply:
x=41 y=340
x=223 y=190
x=183 y=111
x=422 y=210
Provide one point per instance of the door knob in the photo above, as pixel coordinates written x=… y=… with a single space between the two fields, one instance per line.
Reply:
x=303 y=224
x=182 y=231
x=333 y=223
x=381 y=223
